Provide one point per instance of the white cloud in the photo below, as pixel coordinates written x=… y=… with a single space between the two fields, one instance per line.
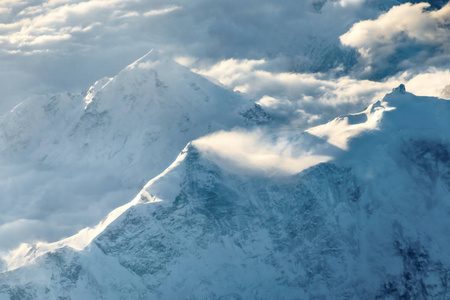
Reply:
x=345 y=3
x=70 y=44
x=307 y=99
x=5 y=10
x=407 y=36
x=429 y=83
x=96 y=38
x=304 y=99
x=52 y=21
x=130 y=14
x=256 y=152
x=163 y=11
x=35 y=207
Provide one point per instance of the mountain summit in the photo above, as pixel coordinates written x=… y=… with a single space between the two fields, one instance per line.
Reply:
x=153 y=105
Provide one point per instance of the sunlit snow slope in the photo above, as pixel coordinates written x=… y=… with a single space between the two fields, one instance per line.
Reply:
x=370 y=223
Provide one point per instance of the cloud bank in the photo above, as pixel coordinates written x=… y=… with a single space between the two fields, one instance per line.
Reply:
x=66 y=45
x=295 y=51
x=306 y=99
x=407 y=37
x=35 y=202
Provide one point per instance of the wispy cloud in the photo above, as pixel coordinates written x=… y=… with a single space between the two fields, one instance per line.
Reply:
x=257 y=153
x=162 y=11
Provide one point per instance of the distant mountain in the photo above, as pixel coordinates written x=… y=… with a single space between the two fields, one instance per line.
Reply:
x=123 y=132
x=370 y=223
x=153 y=105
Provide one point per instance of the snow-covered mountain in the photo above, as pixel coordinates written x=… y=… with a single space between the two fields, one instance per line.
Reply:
x=95 y=151
x=369 y=223
x=153 y=105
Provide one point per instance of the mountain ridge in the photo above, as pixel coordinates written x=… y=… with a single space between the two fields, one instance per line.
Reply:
x=358 y=226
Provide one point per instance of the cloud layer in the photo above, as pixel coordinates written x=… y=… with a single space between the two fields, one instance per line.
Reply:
x=35 y=202
x=305 y=99
x=67 y=44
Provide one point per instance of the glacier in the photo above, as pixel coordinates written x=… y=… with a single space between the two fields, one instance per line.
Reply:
x=369 y=222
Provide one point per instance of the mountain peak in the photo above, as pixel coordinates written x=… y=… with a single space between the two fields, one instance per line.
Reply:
x=399 y=111
x=401 y=89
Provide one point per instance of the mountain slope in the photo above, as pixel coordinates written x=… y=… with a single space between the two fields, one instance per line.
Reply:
x=80 y=157
x=371 y=223
x=214 y=233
